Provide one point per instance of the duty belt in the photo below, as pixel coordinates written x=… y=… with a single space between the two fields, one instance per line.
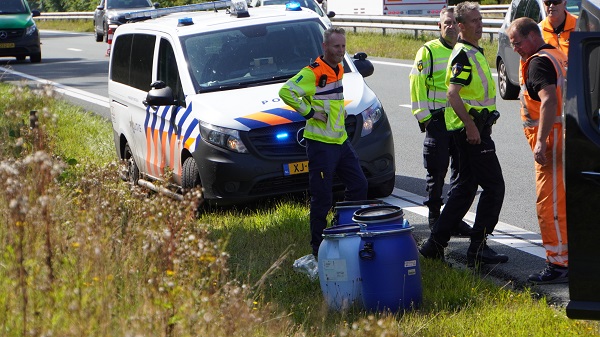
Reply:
x=437 y=111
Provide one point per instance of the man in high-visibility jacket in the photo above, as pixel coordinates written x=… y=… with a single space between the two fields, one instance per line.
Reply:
x=317 y=93
x=428 y=100
x=543 y=71
x=470 y=114
x=558 y=24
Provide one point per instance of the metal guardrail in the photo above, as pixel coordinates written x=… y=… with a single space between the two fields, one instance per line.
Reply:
x=416 y=24
x=383 y=22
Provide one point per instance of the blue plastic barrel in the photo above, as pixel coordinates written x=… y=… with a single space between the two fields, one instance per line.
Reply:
x=339 y=273
x=388 y=262
x=344 y=210
x=380 y=217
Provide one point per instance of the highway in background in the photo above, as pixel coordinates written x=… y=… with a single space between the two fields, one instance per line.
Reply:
x=77 y=67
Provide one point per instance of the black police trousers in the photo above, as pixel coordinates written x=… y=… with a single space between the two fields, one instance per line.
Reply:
x=439 y=150
x=478 y=166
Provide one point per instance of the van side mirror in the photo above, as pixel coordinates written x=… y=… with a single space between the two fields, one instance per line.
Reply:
x=331 y=14
x=364 y=66
x=159 y=95
x=35 y=13
x=156 y=5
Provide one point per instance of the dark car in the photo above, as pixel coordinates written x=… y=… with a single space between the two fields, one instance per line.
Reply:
x=19 y=36
x=582 y=163
x=507 y=60
x=108 y=12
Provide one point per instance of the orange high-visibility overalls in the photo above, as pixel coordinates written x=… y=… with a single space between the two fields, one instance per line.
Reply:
x=550 y=188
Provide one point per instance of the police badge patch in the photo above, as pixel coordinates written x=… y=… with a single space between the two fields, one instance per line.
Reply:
x=420 y=66
x=457 y=69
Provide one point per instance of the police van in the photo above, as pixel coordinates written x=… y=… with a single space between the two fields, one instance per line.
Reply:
x=194 y=102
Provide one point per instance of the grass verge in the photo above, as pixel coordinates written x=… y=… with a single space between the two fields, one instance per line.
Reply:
x=85 y=254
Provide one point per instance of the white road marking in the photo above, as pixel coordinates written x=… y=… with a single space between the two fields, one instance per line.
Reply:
x=63 y=89
x=509 y=235
x=74 y=49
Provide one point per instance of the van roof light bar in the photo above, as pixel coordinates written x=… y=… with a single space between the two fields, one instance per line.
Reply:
x=155 y=13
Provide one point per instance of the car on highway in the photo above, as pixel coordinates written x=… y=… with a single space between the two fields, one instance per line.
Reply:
x=582 y=163
x=19 y=35
x=194 y=102
x=507 y=60
x=108 y=12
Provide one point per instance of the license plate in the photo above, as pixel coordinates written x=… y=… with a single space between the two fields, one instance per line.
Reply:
x=295 y=168
x=414 y=12
x=7 y=45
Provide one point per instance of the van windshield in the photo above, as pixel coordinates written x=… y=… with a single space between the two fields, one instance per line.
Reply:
x=12 y=7
x=251 y=55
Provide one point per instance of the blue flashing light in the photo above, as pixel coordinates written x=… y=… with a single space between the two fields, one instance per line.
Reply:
x=185 y=22
x=293 y=6
x=282 y=136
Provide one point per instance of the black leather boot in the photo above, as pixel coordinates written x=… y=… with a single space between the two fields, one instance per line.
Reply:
x=480 y=253
x=431 y=250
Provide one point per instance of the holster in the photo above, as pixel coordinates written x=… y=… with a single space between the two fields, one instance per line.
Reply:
x=433 y=113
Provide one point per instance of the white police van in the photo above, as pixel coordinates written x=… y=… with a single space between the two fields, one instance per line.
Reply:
x=194 y=102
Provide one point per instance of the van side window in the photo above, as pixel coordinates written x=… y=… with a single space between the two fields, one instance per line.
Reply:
x=119 y=71
x=594 y=85
x=132 y=60
x=142 y=53
x=168 y=71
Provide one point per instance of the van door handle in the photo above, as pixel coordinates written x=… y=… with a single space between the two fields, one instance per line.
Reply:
x=591 y=175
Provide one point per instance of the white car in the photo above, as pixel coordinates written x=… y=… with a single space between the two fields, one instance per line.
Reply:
x=507 y=60
x=194 y=99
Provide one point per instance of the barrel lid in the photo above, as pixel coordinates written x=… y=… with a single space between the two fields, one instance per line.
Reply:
x=377 y=214
x=361 y=203
x=342 y=229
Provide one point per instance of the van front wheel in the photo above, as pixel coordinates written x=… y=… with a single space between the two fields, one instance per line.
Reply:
x=133 y=172
x=190 y=178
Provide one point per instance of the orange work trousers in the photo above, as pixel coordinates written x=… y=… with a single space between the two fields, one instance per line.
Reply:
x=551 y=199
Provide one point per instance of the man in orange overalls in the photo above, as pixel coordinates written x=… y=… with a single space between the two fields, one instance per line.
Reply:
x=543 y=71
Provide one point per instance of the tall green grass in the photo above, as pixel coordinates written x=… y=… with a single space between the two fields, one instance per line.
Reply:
x=83 y=253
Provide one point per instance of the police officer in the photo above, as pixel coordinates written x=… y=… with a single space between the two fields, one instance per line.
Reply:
x=428 y=98
x=317 y=93
x=469 y=115
x=543 y=71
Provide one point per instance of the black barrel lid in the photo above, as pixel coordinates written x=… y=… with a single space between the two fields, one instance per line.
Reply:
x=342 y=229
x=378 y=214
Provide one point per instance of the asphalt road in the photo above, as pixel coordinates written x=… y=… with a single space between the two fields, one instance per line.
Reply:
x=77 y=67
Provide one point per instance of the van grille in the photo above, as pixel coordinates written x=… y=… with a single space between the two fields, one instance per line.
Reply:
x=266 y=143
x=11 y=34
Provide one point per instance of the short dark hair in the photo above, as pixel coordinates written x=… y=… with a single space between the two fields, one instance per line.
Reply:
x=332 y=30
x=524 y=26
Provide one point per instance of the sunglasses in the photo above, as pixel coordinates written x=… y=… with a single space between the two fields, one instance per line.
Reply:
x=552 y=2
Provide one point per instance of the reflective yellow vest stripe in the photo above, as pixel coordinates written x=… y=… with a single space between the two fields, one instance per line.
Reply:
x=428 y=86
x=480 y=93
x=303 y=93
